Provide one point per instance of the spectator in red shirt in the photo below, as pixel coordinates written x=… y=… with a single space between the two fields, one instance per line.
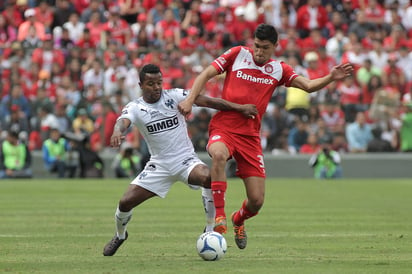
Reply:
x=311 y=146
x=44 y=14
x=109 y=117
x=46 y=55
x=117 y=28
x=333 y=117
x=86 y=41
x=7 y=33
x=129 y=9
x=80 y=5
x=350 y=98
x=355 y=55
x=374 y=12
x=311 y=16
x=170 y=73
x=240 y=25
x=143 y=31
x=314 y=69
x=96 y=27
x=368 y=92
x=191 y=42
x=168 y=25
x=391 y=69
x=396 y=39
x=12 y=15
x=336 y=22
x=314 y=41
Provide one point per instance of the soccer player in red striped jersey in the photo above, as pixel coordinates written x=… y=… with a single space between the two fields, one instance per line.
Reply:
x=252 y=76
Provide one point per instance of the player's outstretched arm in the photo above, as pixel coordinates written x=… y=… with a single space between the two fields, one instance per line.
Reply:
x=338 y=72
x=185 y=107
x=118 y=132
x=248 y=110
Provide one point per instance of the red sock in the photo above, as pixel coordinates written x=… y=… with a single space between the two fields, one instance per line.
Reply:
x=218 y=191
x=243 y=214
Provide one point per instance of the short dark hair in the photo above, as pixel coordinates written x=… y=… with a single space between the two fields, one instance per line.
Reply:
x=266 y=32
x=149 y=68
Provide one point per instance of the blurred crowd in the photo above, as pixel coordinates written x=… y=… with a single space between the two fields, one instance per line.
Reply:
x=72 y=65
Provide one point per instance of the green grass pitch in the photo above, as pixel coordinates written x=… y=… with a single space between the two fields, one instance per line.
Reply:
x=305 y=226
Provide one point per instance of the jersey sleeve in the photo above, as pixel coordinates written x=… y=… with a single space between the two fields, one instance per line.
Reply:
x=176 y=94
x=226 y=59
x=129 y=112
x=288 y=74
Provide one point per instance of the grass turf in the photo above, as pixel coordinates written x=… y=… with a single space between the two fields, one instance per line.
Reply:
x=305 y=226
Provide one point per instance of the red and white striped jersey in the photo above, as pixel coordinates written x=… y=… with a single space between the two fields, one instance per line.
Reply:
x=248 y=83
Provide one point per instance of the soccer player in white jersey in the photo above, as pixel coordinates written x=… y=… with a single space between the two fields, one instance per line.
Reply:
x=172 y=154
x=252 y=76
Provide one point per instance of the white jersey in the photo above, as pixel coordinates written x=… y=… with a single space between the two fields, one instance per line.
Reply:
x=162 y=125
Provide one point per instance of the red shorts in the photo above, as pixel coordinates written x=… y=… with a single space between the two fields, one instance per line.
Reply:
x=246 y=150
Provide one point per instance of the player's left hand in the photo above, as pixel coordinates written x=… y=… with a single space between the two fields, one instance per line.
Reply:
x=341 y=71
x=249 y=111
x=185 y=107
x=116 y=139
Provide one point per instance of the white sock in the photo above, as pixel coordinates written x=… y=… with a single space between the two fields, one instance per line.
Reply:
x=209 y=207
x=121 y=219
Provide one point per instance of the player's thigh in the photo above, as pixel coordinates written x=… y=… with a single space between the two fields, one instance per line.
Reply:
x=218 y=150
x=134 y=196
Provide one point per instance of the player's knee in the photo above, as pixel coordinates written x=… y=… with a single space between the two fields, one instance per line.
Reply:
x=200 y=176
x=219 y=157
x=125 y=204
x=256 y=203
x=204 y=177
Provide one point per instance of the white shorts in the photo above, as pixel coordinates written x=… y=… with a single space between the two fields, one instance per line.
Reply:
x=159 y=176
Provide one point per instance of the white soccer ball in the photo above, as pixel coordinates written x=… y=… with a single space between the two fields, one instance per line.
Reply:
x=211 y=246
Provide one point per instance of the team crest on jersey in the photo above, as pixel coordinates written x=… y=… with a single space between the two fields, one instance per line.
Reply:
x=170 y=103
x=268 y=68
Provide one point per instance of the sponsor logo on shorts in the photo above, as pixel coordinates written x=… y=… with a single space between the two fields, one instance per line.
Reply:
x=151 y=167
x=187 y=161
x=163 y=125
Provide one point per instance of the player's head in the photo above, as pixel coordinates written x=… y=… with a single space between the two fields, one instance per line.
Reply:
x=265 y=42
x=151 y=82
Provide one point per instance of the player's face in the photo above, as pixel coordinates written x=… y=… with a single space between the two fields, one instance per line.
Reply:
x=152 y=87
x=262 y=51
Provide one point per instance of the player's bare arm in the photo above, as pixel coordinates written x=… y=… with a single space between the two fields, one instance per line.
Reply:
x=248 y=110
x=338 y=72
x=118 y=132
x=185 y=107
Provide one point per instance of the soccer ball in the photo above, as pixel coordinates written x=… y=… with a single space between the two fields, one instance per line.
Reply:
x=211 y=246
